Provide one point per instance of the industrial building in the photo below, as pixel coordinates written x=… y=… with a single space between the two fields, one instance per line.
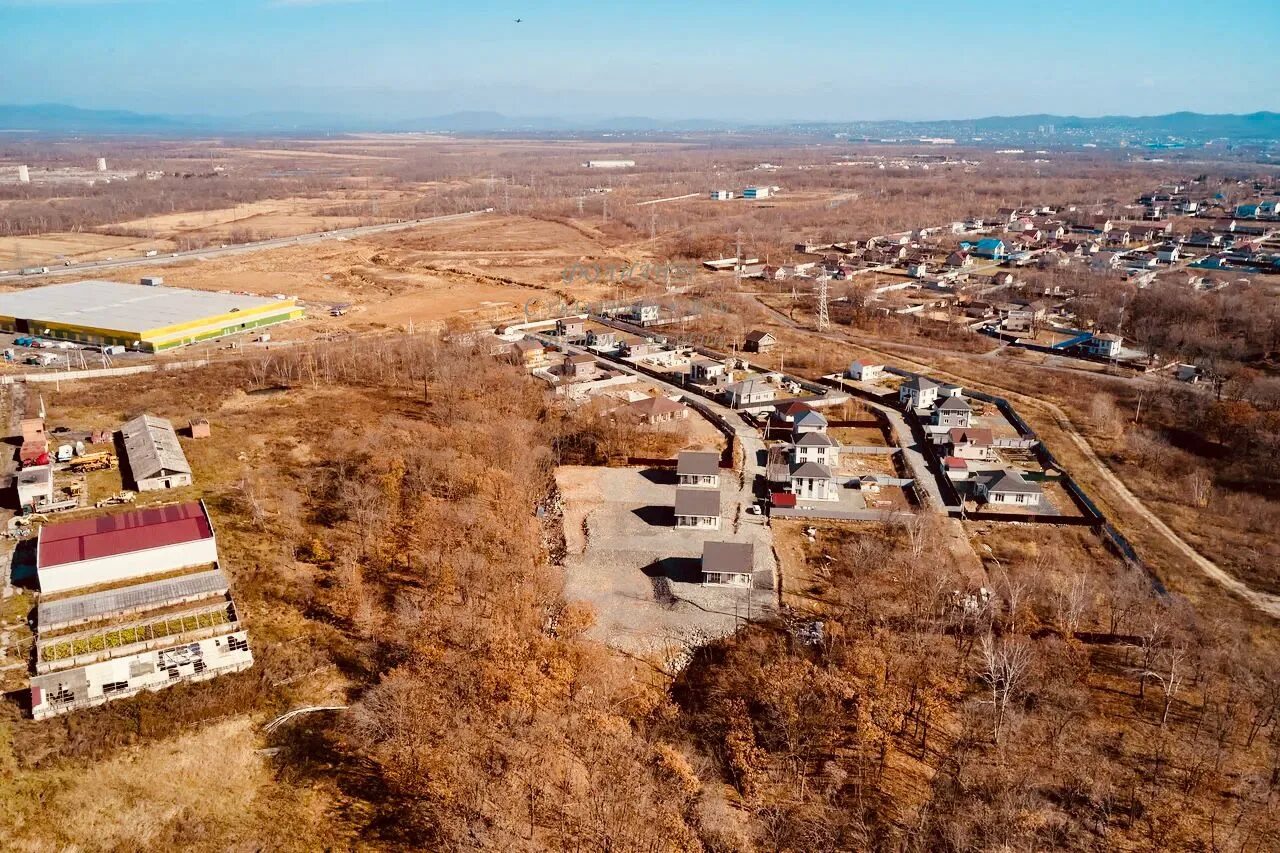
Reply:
x=156 y=460
x=609 y=164
x=119 y=633
x=151 y=319
x=111 y=548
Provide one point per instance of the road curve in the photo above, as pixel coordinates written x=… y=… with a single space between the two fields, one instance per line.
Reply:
x=1264 y=602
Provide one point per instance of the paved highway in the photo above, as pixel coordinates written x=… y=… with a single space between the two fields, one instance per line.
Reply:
x=79 y=270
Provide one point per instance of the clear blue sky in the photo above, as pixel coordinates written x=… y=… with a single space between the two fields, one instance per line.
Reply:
x=698 y=58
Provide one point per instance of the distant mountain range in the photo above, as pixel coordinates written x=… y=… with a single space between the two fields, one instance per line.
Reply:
x=64 y=119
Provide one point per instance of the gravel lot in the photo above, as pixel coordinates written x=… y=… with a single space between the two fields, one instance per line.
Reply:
x=642 y=575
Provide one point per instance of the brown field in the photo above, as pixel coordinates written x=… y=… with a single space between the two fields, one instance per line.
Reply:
x=49 y=249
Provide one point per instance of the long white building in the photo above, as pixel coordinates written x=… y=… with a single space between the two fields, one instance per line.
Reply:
x=112 y=548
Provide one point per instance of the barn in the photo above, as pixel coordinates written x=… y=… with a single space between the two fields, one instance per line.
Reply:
x=112 y=548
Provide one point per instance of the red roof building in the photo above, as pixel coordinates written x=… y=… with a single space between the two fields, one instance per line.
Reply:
x=111 y=548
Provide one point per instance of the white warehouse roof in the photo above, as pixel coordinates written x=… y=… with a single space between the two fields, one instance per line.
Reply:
x=126 y=307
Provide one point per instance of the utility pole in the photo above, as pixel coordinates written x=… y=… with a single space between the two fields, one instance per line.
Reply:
x=737 y=262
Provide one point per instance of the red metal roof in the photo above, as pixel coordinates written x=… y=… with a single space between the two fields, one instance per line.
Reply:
x=783 y=499
x=109 y=535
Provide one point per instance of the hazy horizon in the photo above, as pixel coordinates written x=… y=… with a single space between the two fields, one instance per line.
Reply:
x=763 y=62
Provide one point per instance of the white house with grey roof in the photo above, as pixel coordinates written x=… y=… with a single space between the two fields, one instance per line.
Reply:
x=749 y=392
x=807 y=422
x=918 y=392
x=953 y=411
x=699 y=468
x=698 y=508
x=156 y=460
x=813 y=481
x=1007 y=488
x=728 y=563
x=816 y=447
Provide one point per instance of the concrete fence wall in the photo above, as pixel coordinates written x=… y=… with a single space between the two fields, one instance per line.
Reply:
x=101 y=372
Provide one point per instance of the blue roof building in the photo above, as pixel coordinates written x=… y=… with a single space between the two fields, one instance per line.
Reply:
x=991 y=248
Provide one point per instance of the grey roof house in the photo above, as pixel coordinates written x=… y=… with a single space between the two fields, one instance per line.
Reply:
x=156 y=460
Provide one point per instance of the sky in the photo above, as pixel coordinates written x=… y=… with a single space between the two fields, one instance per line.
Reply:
x=740 y=61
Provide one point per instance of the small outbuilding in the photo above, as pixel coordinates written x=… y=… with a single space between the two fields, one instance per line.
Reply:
x=200 y=428
x=760 y=341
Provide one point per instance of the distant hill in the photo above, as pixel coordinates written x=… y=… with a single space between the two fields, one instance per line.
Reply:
x=61 y=119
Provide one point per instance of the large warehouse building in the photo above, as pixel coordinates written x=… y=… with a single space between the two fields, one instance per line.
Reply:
x=125 y=546
x=109 y=313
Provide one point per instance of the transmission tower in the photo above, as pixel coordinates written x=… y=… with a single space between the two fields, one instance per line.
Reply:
x=824 y=320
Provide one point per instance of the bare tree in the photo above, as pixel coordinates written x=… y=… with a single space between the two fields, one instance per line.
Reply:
x=1005 y=664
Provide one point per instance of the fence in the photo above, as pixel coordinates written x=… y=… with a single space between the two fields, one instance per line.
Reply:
x=101 y=372
x=882 y=516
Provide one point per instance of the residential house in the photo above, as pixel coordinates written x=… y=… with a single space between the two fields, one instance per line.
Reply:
x=602 y=339
x=571 y=328
x=532 y=354
x=705 y=371
x=971 y=443
x=1117 y=237
x=814 y=482
x=749 y=392
x=698 y=508
x=816 y=447
x=959 y=259
x=807 y=422
x=1104 y=345
x=787 y=413
x=658 y=410
x=952 y=412
x=918 y=269
x=727 y=563
x=918 y=392
x=978 y=309
x=955 y=468
x=759 y=341
x=699 y=468
x=579 y=368
x=645 y=312
x=865 y=372
x=1006 y=488
x=991 y=247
